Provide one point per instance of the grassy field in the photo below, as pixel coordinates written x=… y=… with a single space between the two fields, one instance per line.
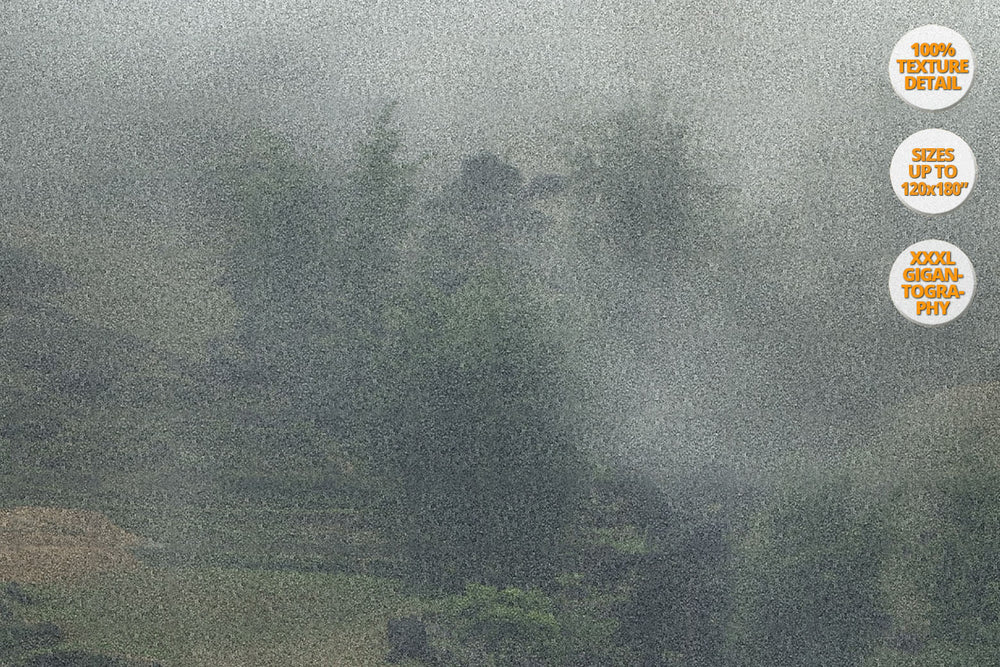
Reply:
x=225 y=616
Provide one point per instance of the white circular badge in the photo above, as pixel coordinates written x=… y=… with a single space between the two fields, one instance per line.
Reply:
x=933 y=171
x=932 y=282
x=931 y=67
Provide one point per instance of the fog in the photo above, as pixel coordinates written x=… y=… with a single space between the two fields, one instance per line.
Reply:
x=486 y=333
x=770 y=331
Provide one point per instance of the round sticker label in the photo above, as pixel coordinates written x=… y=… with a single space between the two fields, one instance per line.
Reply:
x=931 y=67
x=933 y=171
x=932 y=282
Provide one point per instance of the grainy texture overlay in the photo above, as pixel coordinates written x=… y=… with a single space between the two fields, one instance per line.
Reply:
x=496 y=333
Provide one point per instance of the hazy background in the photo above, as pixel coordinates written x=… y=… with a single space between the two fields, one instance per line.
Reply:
x=354 y=311
x=771 y=330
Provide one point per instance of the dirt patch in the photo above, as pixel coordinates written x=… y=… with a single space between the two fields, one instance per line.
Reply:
x=41 y=544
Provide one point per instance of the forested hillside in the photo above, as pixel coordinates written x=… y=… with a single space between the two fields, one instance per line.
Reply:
x=351 y=335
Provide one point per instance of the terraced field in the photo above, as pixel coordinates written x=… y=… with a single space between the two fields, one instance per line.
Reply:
x=213 y=583
x=225 y=616
x=45 y=544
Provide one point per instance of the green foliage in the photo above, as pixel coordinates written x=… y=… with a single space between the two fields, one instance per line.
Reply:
x=377 y=207
x=513 y=626
x=665 y=574
x=808 y=579
x=274 y=266
x=205 y=617
x=63 y=376
x=646 y=224
x=636 y=191
x=310 y=267
x=479 y=436
x=18 y=638
x=26 y=644
x=363 y=256
x=509 y=622
x=623 y=539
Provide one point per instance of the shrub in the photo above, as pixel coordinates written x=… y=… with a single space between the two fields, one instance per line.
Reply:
x=513 y=626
